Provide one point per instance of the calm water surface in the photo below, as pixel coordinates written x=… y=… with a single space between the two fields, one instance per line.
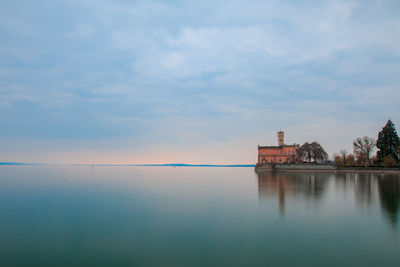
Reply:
x=191 y=216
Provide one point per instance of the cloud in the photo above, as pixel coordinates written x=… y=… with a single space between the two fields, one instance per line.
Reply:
x=184 y=75
x=83 y=31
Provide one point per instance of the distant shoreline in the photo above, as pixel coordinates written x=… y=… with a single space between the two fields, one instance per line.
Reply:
x=301 y=167
x=129 y=165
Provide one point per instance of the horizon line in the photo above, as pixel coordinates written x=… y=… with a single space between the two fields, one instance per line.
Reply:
x=126 y=164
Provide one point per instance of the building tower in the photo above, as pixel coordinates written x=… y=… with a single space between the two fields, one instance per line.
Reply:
x=280 y=138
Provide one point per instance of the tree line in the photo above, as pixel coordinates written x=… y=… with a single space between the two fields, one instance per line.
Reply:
x=387 y=145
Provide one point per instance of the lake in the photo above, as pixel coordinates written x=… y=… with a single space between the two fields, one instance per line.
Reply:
x=196 y=216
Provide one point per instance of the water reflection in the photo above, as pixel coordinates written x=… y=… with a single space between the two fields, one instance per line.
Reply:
x=118 y=216
x=389 y=193
x=366 y=189
x=285 y=185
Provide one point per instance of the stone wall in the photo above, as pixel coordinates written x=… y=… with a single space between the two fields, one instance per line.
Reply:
x=369 y=170
x=305 y=166
x=294 y=167
x=321 y=167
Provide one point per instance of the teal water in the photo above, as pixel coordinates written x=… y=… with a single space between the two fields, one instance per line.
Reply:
x=196 y=216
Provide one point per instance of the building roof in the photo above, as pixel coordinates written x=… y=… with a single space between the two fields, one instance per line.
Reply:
x=277 y=147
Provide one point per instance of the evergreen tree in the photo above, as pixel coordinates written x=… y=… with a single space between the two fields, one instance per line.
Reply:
x=388 y=142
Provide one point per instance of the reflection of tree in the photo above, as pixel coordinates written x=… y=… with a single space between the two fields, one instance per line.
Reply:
x=312 y=186
x=282 y=184
x=343 y=181
x=365 y=187
x=368 y=187
x=389 y=194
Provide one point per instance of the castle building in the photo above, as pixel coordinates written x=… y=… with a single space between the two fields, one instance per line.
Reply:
x=277 y=154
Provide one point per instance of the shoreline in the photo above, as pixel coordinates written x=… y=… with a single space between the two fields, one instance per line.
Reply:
x=310 y=167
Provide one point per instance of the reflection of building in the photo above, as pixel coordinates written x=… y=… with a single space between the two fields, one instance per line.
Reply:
x=272 y=184
x=284 y=185
x=277 y=154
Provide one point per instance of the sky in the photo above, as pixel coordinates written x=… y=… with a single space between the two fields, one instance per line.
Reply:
x=192 y=81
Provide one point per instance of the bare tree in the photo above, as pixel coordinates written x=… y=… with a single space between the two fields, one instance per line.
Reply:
x=304 y=153
x=361 y=160
x=338 y=160
x=364 y=146
x=319 y=153
x=311 y=152
x=350 y=160
x=343 y=152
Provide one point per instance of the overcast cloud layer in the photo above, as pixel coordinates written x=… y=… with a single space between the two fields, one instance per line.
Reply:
x=192 y=81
